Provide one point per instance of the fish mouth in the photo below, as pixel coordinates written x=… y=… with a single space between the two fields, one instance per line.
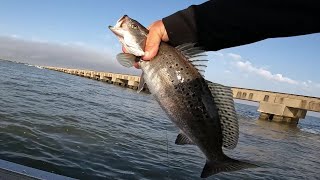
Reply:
x=117 y=29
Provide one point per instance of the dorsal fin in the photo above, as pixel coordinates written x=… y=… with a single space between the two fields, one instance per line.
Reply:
x=185 y=46
x=223 y=99
x=193 y=52
x=193 y=55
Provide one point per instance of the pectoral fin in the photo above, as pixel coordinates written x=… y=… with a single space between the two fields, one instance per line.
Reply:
x=127 y=60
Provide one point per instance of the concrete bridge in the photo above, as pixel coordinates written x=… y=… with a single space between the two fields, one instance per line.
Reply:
x=280 y=107
x=273 y=106
x=125 y=80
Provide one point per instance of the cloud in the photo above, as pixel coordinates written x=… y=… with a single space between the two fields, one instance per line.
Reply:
x=234 y=56
x=248 y=67
x=219 y=54
x=310 y=84
x=318 y=85
x=235 y=70
x=14 y=36
x=70 y=54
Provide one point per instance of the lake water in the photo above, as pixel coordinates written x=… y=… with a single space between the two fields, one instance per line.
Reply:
x=88 y=129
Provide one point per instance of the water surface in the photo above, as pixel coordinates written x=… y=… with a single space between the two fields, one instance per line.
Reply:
x=88 y=129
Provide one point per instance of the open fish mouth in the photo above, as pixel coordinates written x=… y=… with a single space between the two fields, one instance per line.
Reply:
x=117 y=29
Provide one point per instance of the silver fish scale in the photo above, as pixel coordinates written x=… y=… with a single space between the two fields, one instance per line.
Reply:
x=227 y=113
x=184 y=95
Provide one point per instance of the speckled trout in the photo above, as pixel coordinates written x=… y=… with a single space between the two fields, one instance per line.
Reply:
x=175 y=78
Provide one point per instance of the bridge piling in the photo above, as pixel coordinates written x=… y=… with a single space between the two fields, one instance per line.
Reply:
x=279 y=107
x=273 y=106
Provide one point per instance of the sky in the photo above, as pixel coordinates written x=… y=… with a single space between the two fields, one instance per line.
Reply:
x=74 y=34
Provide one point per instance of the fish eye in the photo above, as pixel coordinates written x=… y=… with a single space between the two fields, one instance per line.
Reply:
x=134 y=26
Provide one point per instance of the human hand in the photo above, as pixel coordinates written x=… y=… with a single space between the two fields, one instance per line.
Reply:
x=157 y=33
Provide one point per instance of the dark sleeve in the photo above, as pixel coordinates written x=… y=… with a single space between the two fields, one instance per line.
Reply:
x=219 y=24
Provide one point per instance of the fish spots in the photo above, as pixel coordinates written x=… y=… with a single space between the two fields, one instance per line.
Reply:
x=190 y=104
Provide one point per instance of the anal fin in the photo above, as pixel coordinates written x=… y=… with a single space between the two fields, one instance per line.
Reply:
x=141 y=83
x=182 y=139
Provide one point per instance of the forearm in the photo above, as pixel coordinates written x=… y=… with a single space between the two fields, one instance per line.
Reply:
x=219 y=24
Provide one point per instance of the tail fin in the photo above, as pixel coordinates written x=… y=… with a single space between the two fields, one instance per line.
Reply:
x=212 y=167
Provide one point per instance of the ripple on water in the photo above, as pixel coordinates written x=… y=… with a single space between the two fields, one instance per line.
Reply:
x=86 y=129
